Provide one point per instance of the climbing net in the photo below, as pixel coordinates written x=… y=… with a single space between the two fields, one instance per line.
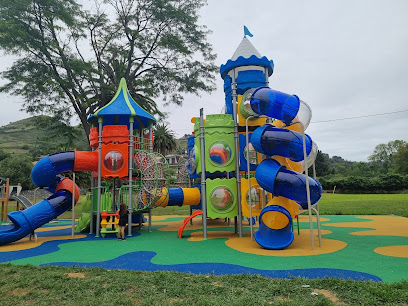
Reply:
x=151 y=171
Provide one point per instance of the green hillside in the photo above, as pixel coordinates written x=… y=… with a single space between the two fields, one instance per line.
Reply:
x=182 y=144
x=25 y=137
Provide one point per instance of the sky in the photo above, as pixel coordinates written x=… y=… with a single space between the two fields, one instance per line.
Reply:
x=345 y=58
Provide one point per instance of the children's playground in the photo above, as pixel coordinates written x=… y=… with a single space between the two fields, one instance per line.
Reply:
x=249 y=182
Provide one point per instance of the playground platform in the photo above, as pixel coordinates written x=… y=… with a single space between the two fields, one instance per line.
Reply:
x=353 y=247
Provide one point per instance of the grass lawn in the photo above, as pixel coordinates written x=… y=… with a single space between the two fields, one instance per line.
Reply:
x=23 y=285
x=338 y=204
x=364 y=204
x=330 y=204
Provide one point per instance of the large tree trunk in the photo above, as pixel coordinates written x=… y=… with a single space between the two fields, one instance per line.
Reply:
x=85 y=125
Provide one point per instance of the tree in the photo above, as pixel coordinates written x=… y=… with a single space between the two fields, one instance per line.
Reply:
x=18 y=169
x=322 y=164
x=339 y=160
x=383 y=154
x=164 y=140
x=401 y=159
x=59 y=136
x=72 y=59
x=3 y=154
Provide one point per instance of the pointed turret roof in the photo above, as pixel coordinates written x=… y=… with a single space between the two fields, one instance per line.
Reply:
x=246 y=55
x=246 y=50
x=121 y=109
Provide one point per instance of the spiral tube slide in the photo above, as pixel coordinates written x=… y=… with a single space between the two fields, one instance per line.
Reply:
x=46 y=173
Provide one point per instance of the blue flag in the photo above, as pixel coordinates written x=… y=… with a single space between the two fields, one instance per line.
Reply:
x=246 y=32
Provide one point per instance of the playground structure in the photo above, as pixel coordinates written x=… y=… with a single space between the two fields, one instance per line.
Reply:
x=247 y=162
x=11 y=192
x=124 y=169
x=252 y=158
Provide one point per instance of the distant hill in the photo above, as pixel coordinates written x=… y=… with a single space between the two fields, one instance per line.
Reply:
x=24 y=137
x=182 y=144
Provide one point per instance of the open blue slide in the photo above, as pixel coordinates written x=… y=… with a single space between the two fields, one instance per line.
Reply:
x=274 y=239
x=44 y=174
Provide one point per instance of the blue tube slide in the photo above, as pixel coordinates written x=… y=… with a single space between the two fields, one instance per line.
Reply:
x=270 y=140
x=274 y=239
x=278 y=180
x=275 y=104
x=44 y=174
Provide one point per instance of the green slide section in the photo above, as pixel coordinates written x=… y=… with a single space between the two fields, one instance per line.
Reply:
x=85 y=219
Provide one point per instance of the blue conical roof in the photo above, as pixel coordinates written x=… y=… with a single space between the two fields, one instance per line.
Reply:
x=121 y=109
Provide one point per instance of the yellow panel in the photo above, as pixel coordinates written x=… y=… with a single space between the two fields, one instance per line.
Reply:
x=257 y=196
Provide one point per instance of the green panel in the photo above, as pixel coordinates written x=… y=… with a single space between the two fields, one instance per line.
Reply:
x=106 y=199
x=105 y=231
x=197 y=145
x=221 y=198
x=95 y=199
x=219 y=143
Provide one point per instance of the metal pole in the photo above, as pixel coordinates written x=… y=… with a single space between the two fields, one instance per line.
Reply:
x=150 y=220
x=316 y=209
x=113 y=194
x=238 y=176
x=309 y=206
x=73 y=204
x=249 y=173
x=266 y=77
x=151 y=137
x=98 y=211
x=203 y=187
x=35 y=194
x=92 y=198
x=191 y=209
x=151 y=151
x=130 y=207
x=314 y=176
x=249 y=178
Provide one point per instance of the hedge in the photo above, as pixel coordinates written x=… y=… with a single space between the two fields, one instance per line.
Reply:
x=358 y=184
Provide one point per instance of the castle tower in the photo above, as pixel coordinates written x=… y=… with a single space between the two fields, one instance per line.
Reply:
x=251 y=70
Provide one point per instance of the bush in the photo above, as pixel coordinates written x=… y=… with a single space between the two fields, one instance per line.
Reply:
x=18 y=169
x=358 y=184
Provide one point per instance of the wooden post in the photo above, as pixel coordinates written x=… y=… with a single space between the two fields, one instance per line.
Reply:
x=4 y=200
